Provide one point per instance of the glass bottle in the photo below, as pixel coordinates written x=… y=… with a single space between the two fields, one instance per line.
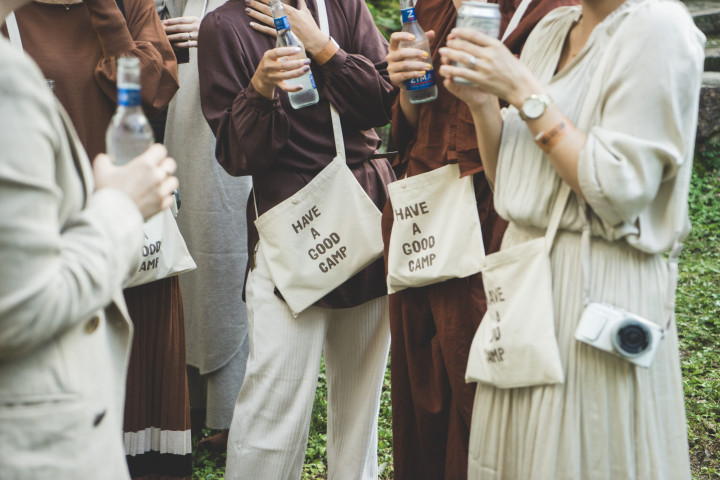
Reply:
x=286 y=38
x=129 y=133
x=422 y=89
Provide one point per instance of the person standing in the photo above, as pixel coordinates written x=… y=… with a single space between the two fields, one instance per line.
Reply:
x=432 y=326
x=244 y=99
x=75 y=43
x=69 y=237
x=213 y=223
x=576 y=123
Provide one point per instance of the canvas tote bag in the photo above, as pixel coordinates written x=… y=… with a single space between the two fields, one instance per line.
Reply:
x=436 y=233
x=321 y=236
x=325 y=233
x=164 y=253
x=436 y=229
x=515 y=345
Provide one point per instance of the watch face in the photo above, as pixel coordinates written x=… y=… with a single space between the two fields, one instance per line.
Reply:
x=533 y=107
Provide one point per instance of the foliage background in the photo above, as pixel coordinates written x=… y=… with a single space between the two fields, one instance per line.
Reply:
x=386 y=14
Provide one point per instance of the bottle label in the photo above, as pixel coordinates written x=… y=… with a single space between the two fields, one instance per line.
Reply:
x=282 y=23
x=408 y=15
x=128 y=97
x=312 y=81
x=426 y=81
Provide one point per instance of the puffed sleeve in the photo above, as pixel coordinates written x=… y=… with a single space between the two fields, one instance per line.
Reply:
x=54 y=274
x=357 y=80
x=142 y=36
x=232 y=107
x=646 y=127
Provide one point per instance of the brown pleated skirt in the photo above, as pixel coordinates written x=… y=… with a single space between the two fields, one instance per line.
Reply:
x=157 y=409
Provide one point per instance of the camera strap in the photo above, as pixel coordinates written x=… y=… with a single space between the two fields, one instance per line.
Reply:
x=669 y=306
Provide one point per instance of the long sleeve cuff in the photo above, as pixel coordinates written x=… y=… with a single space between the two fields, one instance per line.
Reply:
x=256 y=99
x=111 y=27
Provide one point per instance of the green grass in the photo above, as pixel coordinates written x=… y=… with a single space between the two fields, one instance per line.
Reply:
x=698 y=317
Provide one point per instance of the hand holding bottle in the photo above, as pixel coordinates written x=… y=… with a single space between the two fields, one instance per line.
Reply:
x=147 y=179
x=302 y=21
x=275 y=68
x=406 y=63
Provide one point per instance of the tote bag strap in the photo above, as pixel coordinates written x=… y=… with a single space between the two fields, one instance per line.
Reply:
x=13 y=31
x=515 y=20
x=337 y=128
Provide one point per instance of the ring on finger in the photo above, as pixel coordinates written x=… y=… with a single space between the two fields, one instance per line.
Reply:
x=472 y=61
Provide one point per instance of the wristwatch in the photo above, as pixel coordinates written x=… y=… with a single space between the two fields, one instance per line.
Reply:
x=534 y=106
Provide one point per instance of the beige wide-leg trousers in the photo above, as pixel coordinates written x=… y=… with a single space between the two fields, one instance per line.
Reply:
x=269 y=430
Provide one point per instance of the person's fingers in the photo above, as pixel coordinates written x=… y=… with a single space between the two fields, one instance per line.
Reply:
x=451 y=71
x=179 y=20
x=274 y=67
x=277 y=53
x=398 y=37
x=410 y=65
x=290 y=74
x=102 y=161
x=448 y=55
x=407 y=54
x=182 y=28
x=259 y=6
x=405 y=76
x=155 y=155
x=169 y=185
x=259 y=16
x=169 y=166
x=473 y=36
x=289 y=88
x=269 y=31
x=190 y=36
x=465 y=49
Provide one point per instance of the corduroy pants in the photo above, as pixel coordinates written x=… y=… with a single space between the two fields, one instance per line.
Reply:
x=269 y=430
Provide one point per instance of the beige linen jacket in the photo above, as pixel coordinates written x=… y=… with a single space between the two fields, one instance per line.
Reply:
x=64 y=330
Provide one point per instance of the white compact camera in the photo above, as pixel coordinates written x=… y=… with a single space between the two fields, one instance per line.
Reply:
x=619 y=332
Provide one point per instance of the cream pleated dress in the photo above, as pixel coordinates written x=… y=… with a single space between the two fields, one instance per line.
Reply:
x=634 y=89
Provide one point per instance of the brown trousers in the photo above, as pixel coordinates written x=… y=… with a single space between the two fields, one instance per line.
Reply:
x=432 y=329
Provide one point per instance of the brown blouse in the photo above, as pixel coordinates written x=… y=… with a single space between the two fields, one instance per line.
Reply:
x=283 y=148
x=446 y=133
x=76 y=48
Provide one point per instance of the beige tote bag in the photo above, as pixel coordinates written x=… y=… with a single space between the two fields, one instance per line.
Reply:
x=164 y=252
x=324 y=234
x=321 y=236
x=515 y=345
x=436 y=229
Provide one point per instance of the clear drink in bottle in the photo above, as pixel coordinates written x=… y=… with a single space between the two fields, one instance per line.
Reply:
x=422 y=89
x=129 y=133
x=286 y=38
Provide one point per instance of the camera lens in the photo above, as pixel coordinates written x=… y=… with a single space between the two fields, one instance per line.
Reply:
x=631 y=337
